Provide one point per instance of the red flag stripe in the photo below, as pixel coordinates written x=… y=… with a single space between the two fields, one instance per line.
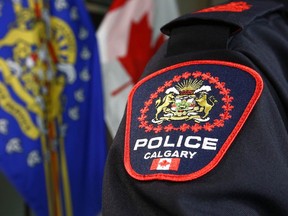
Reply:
x=116 y=4
x=174 y=164
x=154 y=164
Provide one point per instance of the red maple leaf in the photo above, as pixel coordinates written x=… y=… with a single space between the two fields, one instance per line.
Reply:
x=186 y=75
x=161 y=89
x=148 y=103
x=225 y=91
x=197 y=74
x=195 y=128
x=227 y=99
x=168 y=83
x=220 y=85
x=208 y=127
x=158 y=129
x=140 y=48
x=206 y=76
x=213 y=80
x=142 y=118
x=184 y=127
x=225 y=116
x=164 y=163
x=154 y=95
x=149 y=128
x=143 y=124
x=176 y=78
x=144 y=110
x=169 y=128
x=218 y=123
x=227 y=107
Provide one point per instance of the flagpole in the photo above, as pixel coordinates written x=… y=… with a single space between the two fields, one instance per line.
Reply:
x=52 y=174
x=47 y=173
x=64 y=172
x=59 y=158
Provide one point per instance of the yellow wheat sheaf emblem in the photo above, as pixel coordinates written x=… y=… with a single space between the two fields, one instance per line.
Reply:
x=30 y=74
x=188 y=100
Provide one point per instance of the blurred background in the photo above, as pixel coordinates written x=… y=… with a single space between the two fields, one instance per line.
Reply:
x=11 y=204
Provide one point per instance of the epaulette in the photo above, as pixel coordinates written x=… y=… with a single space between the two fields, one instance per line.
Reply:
x=237 y=14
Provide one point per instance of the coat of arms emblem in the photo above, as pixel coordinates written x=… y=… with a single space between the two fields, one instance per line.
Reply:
x=187 y=100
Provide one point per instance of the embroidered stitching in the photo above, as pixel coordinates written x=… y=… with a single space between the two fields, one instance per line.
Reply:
x=227 y=107
x=193 y=175
x=236 y=7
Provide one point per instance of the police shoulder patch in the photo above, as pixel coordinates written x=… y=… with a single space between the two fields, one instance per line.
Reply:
x=182 y=119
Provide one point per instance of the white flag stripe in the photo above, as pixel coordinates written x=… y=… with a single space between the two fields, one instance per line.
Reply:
x=164 y=164
x=113 y=34
x=113 y=38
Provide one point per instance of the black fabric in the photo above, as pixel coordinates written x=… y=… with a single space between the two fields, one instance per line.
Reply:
x=195 y=38
x=251 y=179
x=269 y=54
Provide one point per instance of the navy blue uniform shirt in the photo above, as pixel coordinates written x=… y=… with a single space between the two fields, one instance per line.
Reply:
x=205 y=131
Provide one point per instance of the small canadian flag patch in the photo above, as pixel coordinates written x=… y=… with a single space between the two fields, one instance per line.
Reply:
x=165 y=164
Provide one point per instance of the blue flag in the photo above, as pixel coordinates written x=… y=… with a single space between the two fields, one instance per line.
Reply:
x=52 y=134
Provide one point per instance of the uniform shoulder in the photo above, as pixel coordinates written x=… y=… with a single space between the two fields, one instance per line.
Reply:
x=236 y=13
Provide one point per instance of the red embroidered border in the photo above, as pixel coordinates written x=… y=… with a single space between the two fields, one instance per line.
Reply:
x=226 y=145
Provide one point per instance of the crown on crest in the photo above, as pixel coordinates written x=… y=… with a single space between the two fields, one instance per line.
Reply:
x=188 y=87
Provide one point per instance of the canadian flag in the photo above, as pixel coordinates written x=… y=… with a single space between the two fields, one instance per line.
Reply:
x=165 y=164
x=128 y=37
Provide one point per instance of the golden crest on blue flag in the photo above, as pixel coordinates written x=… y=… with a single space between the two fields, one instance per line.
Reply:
x=49 y=74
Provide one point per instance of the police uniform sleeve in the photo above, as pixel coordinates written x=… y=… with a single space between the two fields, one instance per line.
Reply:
x=205 y=129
